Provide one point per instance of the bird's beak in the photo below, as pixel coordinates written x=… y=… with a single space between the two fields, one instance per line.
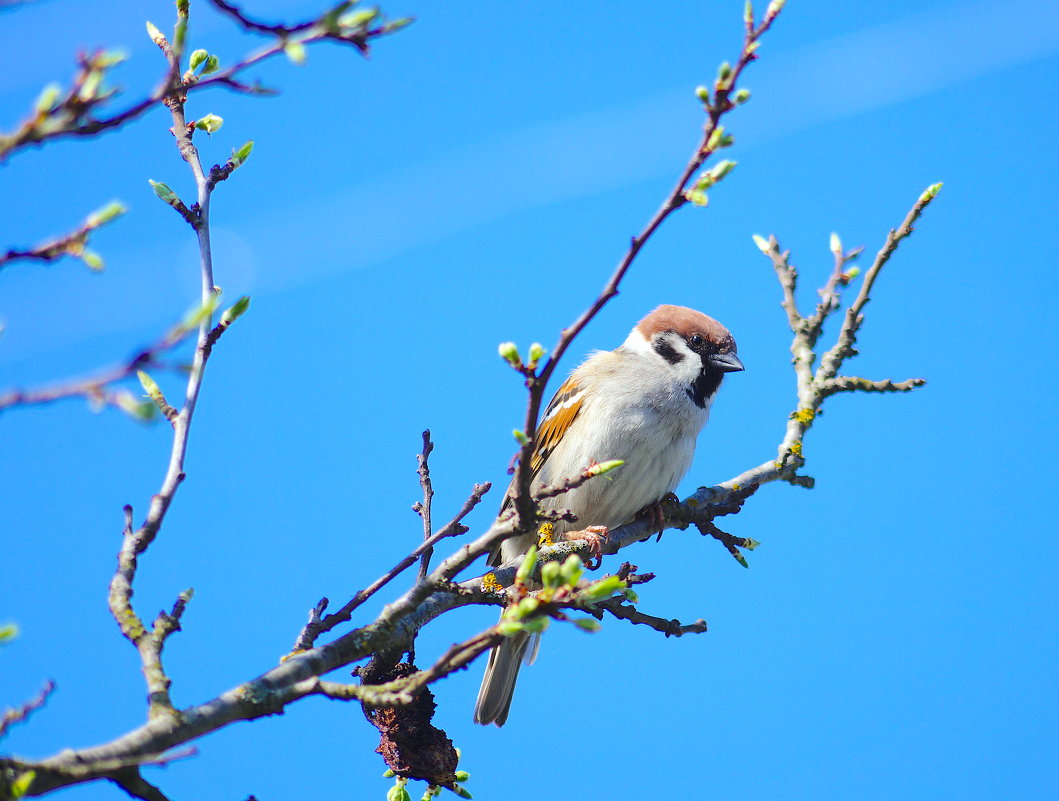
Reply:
x=726 y=362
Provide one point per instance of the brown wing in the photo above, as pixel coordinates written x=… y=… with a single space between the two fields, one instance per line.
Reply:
x=558 y=416
x=556 y=421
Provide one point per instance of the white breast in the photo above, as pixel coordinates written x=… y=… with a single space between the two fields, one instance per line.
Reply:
x=637 y=413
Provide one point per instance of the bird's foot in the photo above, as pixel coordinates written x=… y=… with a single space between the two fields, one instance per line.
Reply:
x=656 y=514
x=595 y=536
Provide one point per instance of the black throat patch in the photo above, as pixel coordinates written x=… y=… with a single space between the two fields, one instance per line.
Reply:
x=704 y=385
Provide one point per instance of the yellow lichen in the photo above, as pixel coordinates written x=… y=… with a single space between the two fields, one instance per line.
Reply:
x=803 y=416
x=736 y=487
x=545 y=534
x=490 y=584
x=796 y=447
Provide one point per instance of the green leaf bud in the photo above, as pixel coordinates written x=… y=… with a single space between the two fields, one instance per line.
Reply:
x=601 y=468
x=102 y=216
x=748 y=13
x=213 y=63
x=703 y=94
x=572 y=570
x=721 y=169
x=156 y=35
x=235 y=311
x=356 y=19
x=243 y=153
x=551 y=574
x=8 y=632
x=603 y=588
x=47 y=98
x=92 y=260
x=536 y=351
x=741 y=96
x=295 y=51
x=775 y=7
x=716 y=136
x=836 y=244
x=930 y=193
x=537 y=625
x=529 y=564
x=198 y=58
x=462 y=776
x=521 y=438
x=762 y=243
x=211 y=123
x=164 y=192
x=509 y=352
x=589 y=624
x=509 y=628
x=461 y=791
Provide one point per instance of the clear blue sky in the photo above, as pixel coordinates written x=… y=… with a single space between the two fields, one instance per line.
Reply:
x=475 y=181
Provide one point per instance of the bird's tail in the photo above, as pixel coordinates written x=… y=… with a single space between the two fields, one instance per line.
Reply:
x=498 y=683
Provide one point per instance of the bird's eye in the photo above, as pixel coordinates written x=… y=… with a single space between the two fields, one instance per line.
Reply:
x=697 y=342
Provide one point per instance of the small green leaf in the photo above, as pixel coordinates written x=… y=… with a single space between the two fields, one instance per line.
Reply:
x=741 y=96
x=166 y=194
x=47 y=98
x=356 y=19
x=102 y=216
x=518 y=435
x=235 y=311
x=529 y=564
x=213 y=63
x=509 y=628
x=201 y=313
x=551 y=574
x=697 y=197
x=603 y=588
x=20 y=786
x=588 y=624
x=930 y=193
x=721 y=170
x=702 y=93
x=92 y=260
x=198 y=58
x=748 y=13
x=536 y=625
x=211 y=123
x=602 y=468
x=8 y=632
x=396 y=24
x=156 y=35
x=536 y=351
x=716 y=136
x=572 y=570
x=509 y=352
x=388 y=773
x=295 y=51
x=242 y=154
x=461 y=791
x=462 y=775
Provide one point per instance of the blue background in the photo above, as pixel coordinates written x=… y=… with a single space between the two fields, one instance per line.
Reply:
x=475 y=181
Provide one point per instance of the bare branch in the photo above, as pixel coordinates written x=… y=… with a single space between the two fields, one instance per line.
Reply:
x=21 y=713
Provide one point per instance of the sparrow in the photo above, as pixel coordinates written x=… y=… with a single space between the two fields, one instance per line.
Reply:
x=644 y=403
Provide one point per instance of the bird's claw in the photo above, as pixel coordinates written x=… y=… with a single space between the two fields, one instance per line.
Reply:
x=595 y=536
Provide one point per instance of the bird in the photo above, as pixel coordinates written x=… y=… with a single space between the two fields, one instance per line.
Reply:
x=644 y=403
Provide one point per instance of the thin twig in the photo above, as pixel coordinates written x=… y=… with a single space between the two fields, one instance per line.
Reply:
x=21 y=713
x=423 y=508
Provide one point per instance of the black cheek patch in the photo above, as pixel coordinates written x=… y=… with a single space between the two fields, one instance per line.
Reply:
x=704 y=386
x=668 y=352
